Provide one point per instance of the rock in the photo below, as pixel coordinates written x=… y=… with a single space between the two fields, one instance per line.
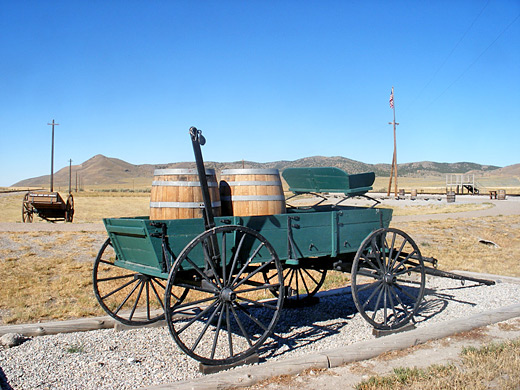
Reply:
x=10 y=340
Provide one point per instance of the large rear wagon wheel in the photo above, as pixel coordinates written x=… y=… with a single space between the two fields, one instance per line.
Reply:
x=225 y=316
x=131 y=298
x=388 y=279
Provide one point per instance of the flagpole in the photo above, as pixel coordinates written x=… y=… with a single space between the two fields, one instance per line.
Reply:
x=393 y=172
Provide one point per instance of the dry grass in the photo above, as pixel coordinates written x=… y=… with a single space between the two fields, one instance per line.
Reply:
x=443 y=208
x=491 y=366
x=47 y=279
x=455 y=243
x=89 y=206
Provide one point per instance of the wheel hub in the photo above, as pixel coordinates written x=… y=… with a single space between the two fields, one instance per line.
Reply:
x=228 y=295
x=389 y=278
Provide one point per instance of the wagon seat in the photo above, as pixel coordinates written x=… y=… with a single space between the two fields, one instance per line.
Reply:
x=323 y=181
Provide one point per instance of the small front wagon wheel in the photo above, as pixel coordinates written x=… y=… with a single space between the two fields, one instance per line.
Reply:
x=388 y=279
x=301 y=282
x=27 y=209
x=131 y=298
x=69 y=209
x=228 y=312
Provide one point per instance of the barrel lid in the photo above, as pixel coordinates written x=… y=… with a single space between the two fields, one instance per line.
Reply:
x=181 y=171
x=250 y=171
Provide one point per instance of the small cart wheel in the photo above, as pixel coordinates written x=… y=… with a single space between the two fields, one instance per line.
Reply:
x=27 y=209
x=69 y=211
x=388 y=279
x=130 y=297
x=225 y=317
x=301 y=283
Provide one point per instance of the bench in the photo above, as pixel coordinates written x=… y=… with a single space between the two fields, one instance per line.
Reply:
x=328 y=180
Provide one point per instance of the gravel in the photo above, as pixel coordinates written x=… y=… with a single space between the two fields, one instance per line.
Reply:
x=109 y=359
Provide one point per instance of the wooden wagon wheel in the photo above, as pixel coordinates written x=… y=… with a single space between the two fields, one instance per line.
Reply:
x=225 y=316
x=27 y=209
x=69 y=210
x=301 y=283
x=130 y=297
x=388 y=278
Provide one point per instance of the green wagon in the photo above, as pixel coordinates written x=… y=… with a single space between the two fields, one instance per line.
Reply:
x=221 y=282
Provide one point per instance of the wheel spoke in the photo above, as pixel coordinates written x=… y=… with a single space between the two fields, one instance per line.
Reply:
x=116 y=278
x=258 y=303
x=247 y=262
x=136 y=301
x=385 y=304
x=304 y=283
x=202 y=274
x=223 y=258
x=417 y=268
x=404 y=260
x=127 y=297
x=254 y=319
x=389 y=292
x=242 y=329
x=292 y=273
x=376 y=306
x=258 y=288
x=230 y=335
x=190 y=322
x=156 y=293
x=366 y=286
x=217 y=332
x=406 y=293
x=367 y=260
x=147 y=299
x=194 y=303
x=206 y=326
x=235 y=258
x=399 y=300
x=372 y=295
x=259 y=269
x=310 y=276
x=119 y=289
x=209 y=260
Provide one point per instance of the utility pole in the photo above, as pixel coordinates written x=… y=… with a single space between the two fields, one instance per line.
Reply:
x=394 y=160
x=52 y=154
x=70 y=176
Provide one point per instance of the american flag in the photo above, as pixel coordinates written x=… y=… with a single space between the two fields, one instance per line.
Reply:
x=392 y=98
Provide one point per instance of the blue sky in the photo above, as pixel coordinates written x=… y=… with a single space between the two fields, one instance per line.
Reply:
x=264 y=80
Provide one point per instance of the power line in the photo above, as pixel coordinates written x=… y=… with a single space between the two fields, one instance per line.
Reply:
x=450 y=54
x=475 y=60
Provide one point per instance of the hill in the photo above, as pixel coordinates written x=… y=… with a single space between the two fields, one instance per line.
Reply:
x=102 y=170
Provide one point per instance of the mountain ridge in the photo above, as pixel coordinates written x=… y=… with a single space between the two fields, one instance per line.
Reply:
x=101 y=169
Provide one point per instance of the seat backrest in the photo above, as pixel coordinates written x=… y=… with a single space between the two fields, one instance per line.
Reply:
x=327 y=179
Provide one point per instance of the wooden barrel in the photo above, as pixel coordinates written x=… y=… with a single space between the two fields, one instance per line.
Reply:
x=176 y=194
x=246 y=192
x=501 y=194
x=450 y=197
